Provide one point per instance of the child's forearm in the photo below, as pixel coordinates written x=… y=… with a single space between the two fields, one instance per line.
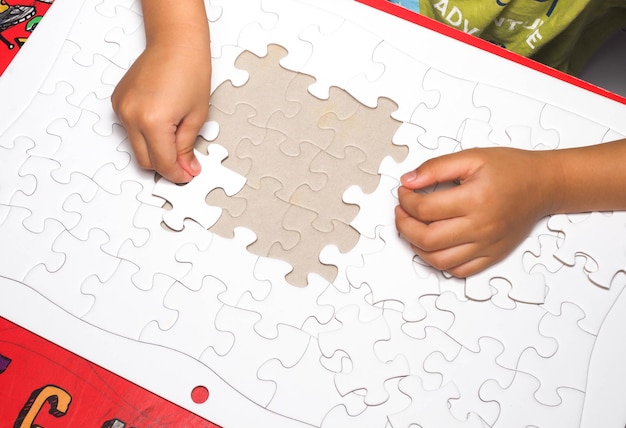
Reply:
x=175 y=23
x=591 y=178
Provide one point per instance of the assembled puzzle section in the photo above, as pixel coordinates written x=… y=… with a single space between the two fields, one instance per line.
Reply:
x=310 y=128
x=299 y=154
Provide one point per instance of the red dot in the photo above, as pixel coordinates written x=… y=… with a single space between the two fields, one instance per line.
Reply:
x=200 y=394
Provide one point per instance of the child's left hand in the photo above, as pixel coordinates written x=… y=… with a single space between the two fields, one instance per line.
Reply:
x=162 y=101
x=502 y=193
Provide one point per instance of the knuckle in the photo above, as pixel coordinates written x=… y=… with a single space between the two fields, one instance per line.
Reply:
x=134 y=114
x=422 y=211
x=438 y=261
x=123 y=111
x=142 y=159
x=427 y=242
x=147 y=117
x=458 y=272
x=145 y=163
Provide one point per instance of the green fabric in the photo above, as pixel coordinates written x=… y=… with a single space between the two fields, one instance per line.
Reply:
x=562 y=34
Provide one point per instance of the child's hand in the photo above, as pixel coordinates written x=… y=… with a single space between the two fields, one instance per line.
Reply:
x=162 y=101
x=463 y=230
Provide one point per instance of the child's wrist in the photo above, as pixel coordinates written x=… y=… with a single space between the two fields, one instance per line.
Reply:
x=550 y=177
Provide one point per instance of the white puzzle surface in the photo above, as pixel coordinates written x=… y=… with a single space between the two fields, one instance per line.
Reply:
x=290 y=312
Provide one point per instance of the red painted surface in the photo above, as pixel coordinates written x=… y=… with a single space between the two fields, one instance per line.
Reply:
x=14 y=35
x=42 y=384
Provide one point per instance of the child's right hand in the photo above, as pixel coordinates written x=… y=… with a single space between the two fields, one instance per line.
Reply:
x=162 y=101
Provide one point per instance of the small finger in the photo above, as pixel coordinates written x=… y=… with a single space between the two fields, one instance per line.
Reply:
x=471 y=267
x=434 y=236
x=139 y=148
x=460 y=261
x=434 y=206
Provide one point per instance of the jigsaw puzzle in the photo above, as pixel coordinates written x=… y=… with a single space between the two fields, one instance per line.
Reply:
x=276 y=279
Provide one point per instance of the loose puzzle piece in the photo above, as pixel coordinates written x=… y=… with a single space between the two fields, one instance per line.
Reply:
x=529 y=288
x=109 y=8
x=238 y=17
x=602 y=258
x=79 y=88
x=112 y=180
x=157 y=255
x=190 y=202
x=83 y=149
x=306 y=197
x=102 y=208
x=580 y=131
x=241 y=366
x=51 y=193
x=204 y=262
x=256 y=39
x=268 y=78
x=565 y=285
x=114 y=302
x=363 y=130
x=499 y=324
x=368 y=372
x=318 y=386
x=194 y=329
x=373 y=207
x=11 y=181
x=468 y=381
x=517 y=399
x=263 y=215
x=406 y=286
x=30 y=248
x=430 y=408
x=74 y=270
x=446 y=117
x=528 y=114
x=350 y=37
x=605 y=370
x=432 y=341
x=567 y=368
x=371 y=416
x=125 y=54
x=88 y=31
x=331 y=254
x=275 y=312
x=406 y=69
x=46 y=108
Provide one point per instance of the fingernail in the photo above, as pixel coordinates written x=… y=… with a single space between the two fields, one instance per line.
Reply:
x=195 y=166
x=409 y=177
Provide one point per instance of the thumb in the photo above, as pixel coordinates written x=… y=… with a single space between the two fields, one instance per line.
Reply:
x=446 y=168
x=186 y=157
x=189 y=162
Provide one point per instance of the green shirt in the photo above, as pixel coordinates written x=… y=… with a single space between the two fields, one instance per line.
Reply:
x=562 y=34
